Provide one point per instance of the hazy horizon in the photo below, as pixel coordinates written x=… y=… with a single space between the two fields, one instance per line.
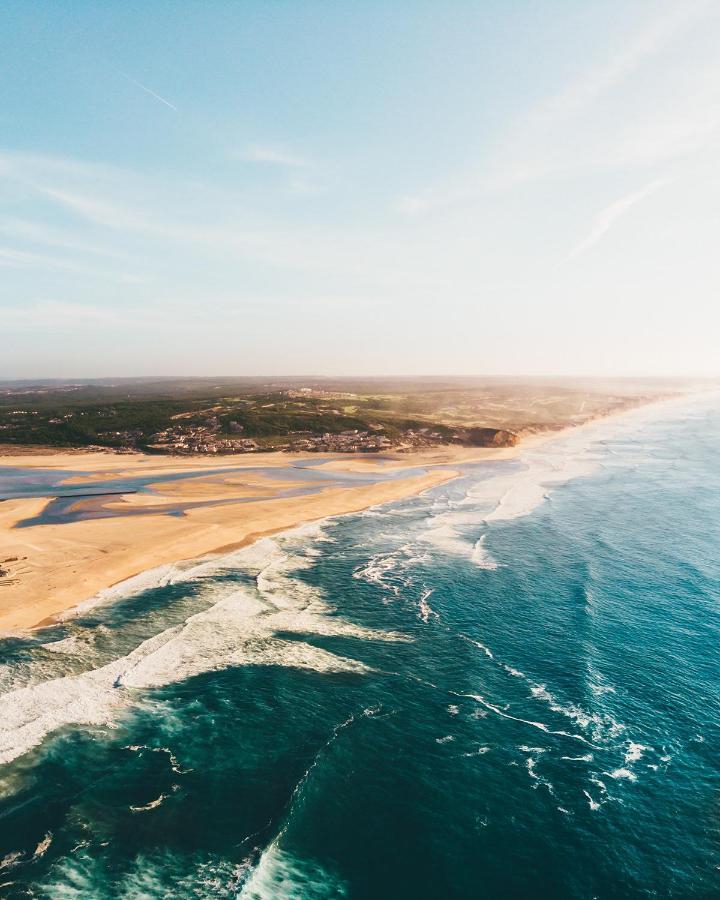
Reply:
x=372 y=189
x=470 y=378
x=359 y=426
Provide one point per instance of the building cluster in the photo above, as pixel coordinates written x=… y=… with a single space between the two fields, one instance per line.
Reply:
x=305 y=393
x=206 y=433
x=129 y=436
x=345 y=442
x=207 y=439
x=201 y=439
x=365 y=441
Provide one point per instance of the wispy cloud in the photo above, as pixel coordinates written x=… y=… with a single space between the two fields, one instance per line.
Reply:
x=270 y=155
x=53 y=316
x=21 y=259
x=90 y=208
x=33 y=233
x=12 y=258
x=676 y=119
x=648 y=42
x=605 y=219
x=148 y=215
x=152 y=93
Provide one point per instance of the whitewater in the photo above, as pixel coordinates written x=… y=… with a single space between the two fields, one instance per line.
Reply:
x=506 y=686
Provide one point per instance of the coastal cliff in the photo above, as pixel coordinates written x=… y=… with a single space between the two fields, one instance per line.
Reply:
x=488 y=437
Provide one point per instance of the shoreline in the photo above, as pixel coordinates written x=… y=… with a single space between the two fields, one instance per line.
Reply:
x=52 y=569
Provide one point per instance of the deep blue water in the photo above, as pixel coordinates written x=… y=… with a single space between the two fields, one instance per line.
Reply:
x=508 y=687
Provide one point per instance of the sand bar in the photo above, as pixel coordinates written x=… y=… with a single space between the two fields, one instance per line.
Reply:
x=47 y=569
x=50 y=568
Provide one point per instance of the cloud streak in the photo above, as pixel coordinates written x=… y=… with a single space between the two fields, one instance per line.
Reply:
x=605 y=219
x=11 y=258
x=31 y=232
x=57 y=316
x=275 y=156
x=558 y=139
x=652 y=40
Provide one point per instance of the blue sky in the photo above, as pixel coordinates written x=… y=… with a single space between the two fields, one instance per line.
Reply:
x=359 y=188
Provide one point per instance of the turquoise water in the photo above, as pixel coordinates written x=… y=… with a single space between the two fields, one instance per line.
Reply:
x=507 y=687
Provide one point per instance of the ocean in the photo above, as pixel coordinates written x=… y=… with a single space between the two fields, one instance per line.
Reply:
x=506 y=687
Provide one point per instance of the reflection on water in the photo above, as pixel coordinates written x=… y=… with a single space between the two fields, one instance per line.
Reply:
x=73 y=503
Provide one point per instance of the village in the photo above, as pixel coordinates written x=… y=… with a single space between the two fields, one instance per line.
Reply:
x=230 y=418
x=208 y=438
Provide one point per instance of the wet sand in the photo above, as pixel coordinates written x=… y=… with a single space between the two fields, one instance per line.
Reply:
x=50 y=568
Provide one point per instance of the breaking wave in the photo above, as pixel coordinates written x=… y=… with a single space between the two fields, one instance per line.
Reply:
x=239 y=629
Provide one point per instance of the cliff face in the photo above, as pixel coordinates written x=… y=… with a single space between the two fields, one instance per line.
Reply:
x=488 y=437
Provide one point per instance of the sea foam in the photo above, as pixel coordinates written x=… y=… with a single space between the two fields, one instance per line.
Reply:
x=240 y=628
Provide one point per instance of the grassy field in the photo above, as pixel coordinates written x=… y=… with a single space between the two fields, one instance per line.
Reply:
x=245 y=413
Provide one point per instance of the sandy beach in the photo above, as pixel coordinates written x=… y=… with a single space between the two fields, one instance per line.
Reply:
x=50 y=568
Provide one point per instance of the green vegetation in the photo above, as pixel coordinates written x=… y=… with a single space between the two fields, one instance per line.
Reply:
x=251 y=414
x=63 y=419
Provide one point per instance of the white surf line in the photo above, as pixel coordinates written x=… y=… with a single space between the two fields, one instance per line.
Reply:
x=478 y=698
x=153 y=804
x=464 y=637
x=612 y=729
x=540 y=725
x=286 y=814
x=571 y=711
x=20 y=856
x=173 y=760
x=239 y=628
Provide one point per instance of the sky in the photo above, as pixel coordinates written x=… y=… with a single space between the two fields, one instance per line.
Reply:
x=409 y=187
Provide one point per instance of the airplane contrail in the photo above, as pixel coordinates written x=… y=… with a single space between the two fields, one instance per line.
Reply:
x=149 y=91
